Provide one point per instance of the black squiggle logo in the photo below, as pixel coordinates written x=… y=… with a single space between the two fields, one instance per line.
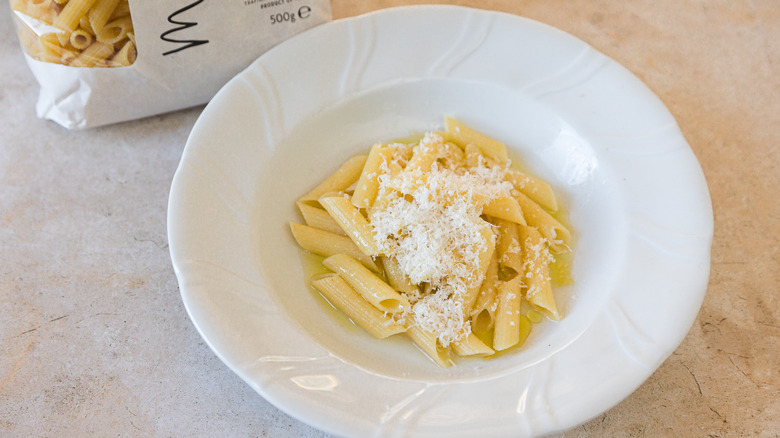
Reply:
x=182 y=25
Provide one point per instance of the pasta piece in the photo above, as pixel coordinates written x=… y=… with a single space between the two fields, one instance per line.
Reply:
x=42 y=10
x=399 y=159
x=328 y=244
x=51 y=46
x=368 y=184
x=114 y=31
x=346 y=175
x=471 y=345
x=464 y=136
x=319 y=218
x=482 y=314
x=68 y=58
x=344 y=298
x=473 y=156
x=125 y=56
x=430 y=345
x=372 y=288
x=507 y=323
x=451 y=156
x=100 y=13
x=122 y=10
x=68 y=18
x=63 y=38
x=397 y=278
x=556 y=234
x=504 y=207
x=424 y=155
x=485 y=254
x=534 y=188
x=510 y=251
x=96 y=52
x=84 y=24
x=80 y=39
x=352 y=222
x=537 y=272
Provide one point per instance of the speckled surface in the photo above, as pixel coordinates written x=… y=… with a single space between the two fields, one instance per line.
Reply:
x=94 y=339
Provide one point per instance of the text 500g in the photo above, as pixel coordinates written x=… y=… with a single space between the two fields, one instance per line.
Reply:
x=303 y=12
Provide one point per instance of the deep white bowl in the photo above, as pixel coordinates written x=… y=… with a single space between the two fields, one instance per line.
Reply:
x=637 y=202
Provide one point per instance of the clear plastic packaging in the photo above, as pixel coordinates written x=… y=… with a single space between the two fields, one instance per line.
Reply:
x=107 y=61
x=79 y=33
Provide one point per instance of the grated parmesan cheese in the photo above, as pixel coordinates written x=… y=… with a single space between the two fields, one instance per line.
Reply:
x=431 y=225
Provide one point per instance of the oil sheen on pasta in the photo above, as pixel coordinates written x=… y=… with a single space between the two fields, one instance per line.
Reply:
x=438 y=236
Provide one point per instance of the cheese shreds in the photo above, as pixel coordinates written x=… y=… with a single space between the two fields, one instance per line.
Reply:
x=431 y=225
x=538 y=257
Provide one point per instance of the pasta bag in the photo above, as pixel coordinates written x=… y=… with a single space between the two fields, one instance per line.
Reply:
x=107 y=61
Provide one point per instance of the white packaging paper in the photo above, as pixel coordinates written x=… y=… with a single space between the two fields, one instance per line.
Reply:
x=187 y=50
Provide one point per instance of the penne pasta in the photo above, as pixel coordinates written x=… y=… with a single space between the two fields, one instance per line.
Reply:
x=464 y=136
x=51 y=45
x=345 y=176
x=84 y=24
x=63 y=38
x=507 y=323
x=114 y=31
x=558 y=236
x=372 y=288
x=42 y=10
x=474 y=157
x=100 y=13
x=95 y=53
x=442 y=238
x=536 y=189
x=484 y=257
x=121 y=10
x=471 y=345
x=68 y=18
x=344 y=298
x=537 y=272
x=451 y=156
x=504 y=207
x=510 y=251
x=81 y=39
x=319 y=218
x=396 y=277
x=368 y=184
x=352 y=222
x=482 y=314
x=125 y=56
x=430 y=345
x=427 y=152
x=328 y=244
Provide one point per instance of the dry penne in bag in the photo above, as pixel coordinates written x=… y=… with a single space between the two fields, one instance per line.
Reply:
x=107 y=61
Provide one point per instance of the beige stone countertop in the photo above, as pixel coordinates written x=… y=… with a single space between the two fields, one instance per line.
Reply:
x=95 y=341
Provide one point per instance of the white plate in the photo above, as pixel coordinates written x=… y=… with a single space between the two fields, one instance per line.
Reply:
x=638 y=204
